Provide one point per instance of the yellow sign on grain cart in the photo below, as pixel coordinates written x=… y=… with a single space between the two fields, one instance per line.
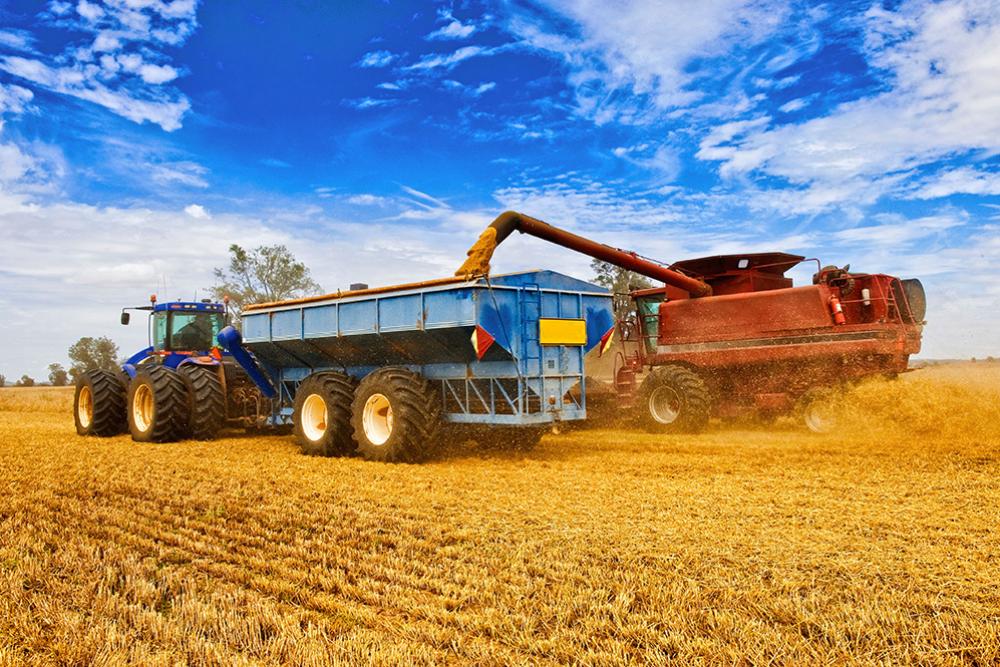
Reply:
x=562 y=332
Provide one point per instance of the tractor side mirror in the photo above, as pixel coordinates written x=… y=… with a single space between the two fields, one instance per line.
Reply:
x=125 y=317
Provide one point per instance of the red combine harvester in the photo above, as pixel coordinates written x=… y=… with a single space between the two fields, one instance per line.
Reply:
x=731 y=335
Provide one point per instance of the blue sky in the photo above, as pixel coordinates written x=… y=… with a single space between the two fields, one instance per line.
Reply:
x=140 y=137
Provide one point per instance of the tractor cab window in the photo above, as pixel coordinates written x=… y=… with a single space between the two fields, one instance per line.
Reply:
x=194 y=331
x=160 y=330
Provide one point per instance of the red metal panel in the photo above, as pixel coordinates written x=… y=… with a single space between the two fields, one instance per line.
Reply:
x=749 y=315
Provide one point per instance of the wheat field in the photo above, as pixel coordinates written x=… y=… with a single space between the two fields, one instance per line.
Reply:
x=878 y=544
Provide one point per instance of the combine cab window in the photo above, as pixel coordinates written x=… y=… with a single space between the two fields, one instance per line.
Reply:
x=649 y=319
x=194 y=331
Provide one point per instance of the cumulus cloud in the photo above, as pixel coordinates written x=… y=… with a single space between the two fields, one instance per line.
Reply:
x=122 y=67
x=377 y=59
x=939 y=60
x=452 y=28
x=197 y=212
x=629 y=59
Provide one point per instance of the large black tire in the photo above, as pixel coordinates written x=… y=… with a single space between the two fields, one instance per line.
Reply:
x=206 y=400
x=673 y=399
x=158 y=405
x=396 y=416
x=99 y=404
x=322 y=415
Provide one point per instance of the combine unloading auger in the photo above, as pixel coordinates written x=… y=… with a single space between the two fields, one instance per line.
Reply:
x=480 y=254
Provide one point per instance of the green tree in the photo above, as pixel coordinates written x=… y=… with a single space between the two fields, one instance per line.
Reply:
x=58 y=375
x=26 y=381
x=88 y=353
x=3 y=379
x=266 y=273
x=620 y=282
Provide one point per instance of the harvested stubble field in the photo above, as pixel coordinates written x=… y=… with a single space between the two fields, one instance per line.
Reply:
x=877 y=544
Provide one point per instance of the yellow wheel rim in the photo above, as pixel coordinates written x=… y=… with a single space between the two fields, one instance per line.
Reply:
x=85 y=406
x=142 y=408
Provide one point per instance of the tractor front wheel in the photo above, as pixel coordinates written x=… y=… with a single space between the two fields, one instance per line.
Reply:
x=99 y=404
x=158 y=405
x=322 y=414
x=396 y=416
x=673 y=399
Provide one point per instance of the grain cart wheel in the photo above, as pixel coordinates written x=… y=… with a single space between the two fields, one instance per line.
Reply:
x=396 y=416
x=99 y=404
x=322 y=414
x=158 y=405
x=206 y=400
x=817 y=409
x=673 y=399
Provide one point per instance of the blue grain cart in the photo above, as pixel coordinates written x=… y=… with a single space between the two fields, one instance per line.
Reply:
x=389 y=372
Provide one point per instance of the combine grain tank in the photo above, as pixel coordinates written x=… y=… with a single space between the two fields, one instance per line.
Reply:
x=385 y=371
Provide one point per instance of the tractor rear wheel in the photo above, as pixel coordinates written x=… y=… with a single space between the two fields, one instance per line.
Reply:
x=158 y=405
x=322 y=414
x=673 y=399
x=207 y=400
x=99 y=404
x=396 y=416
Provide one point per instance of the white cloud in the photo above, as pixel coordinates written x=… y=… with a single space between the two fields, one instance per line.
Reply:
x=958 y=181
x=197 y=212
x=453 y=28
x=365 y=199
x=369 y=103
x=450 y=60
x=184 y=173
x=14 y=99
x=125 y=39
x=644 y=56
x=157 y=74
x=794 y=105
x=940 y=59
x=377 y=59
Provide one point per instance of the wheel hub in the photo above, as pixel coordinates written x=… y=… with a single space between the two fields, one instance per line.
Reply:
x=377 y=419
x=314 y=417
x=665 y=405
x=142 y=408
x=85 y=406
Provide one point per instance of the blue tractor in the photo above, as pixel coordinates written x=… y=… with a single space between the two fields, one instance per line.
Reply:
x=184 y=384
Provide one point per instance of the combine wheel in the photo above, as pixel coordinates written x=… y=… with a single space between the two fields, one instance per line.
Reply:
x=396 y=416
x=99 y=404
x=817 y=409
x=158 y=405
x=322 y=414
x=673 y=399
x=207 y=400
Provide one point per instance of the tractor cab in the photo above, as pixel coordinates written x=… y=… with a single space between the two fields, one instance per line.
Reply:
x=181 y=326
x=179 y=330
